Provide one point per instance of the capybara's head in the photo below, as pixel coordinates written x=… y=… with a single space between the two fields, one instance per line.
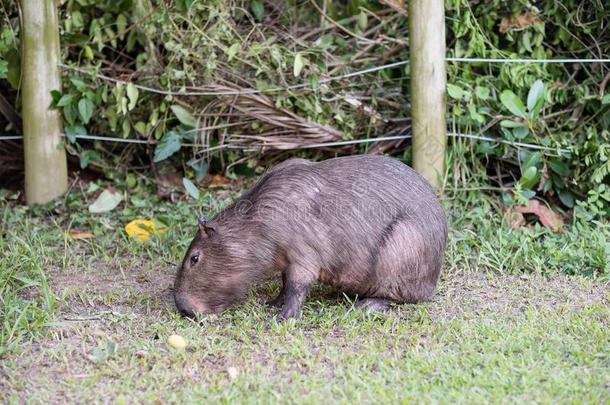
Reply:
x=208 y=281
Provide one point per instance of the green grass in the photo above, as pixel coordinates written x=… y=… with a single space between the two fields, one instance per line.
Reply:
x=26 y=303
x=514 y=319
x=480 y=239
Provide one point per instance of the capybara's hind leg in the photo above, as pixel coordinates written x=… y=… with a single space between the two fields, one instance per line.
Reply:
x=411 y=276
x=373 y=304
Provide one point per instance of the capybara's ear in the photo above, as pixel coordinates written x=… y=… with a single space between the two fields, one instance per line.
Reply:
x=205 y=226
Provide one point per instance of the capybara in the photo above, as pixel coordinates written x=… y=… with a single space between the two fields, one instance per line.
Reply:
x=368 y=225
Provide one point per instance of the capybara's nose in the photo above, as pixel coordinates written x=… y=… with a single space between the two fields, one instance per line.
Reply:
x=189 y=306
x=184 y=305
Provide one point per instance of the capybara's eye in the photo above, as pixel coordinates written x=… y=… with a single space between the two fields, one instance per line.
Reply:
x=194 y=259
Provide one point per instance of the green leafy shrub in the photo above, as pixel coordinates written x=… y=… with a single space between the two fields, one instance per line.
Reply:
x=558 y=107
x=550 y=121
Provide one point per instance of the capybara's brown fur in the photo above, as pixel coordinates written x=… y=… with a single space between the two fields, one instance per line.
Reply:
x=369 y=225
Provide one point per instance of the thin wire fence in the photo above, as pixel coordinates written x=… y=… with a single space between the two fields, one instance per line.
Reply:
x=558 y=151
x=307 y=86
x=184 y=92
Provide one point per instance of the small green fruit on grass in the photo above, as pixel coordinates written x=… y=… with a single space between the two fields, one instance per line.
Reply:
x=177 y=342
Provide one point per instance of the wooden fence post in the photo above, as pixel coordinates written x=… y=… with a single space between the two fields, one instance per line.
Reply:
x=428 y=81
x=46 y=174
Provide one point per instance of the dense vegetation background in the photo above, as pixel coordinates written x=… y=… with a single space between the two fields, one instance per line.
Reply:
x=228 y=86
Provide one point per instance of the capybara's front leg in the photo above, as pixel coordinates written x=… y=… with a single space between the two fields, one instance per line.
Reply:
x=297 y=282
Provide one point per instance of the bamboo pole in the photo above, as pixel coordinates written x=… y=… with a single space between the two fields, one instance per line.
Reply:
x=46 y=174
x=428 y=81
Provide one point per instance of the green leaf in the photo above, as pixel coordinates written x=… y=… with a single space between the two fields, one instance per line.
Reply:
x=527 y=194
x=55 y=97
x=513 y=103
x=184 y=116
x=74 y=130
x=454 y=91
x=559 y=167
x=121 y=25
x=88 y=156
x=200 y=167
x=298 y=64
x=314 y=81
x=167 y=146
x=132 y=94
x=325 y=41
x=78 y=83
x=536 y=110
x=77 y=19
x=548 y=185
x=126 y=128
x=474 y=114
x=3 y=69
x=529 y=177
x=184 y=5
x=606 y=99
x=530 y=159
x=65 y=100
x=482 y=92
x=190 y=188
x=131 y=181
x=527 y=36
x=106 y=201
x=258 y=9
x=566 y=198
x=13 y=73
x=122 y=104
x=535 y=94
x=362 y=21
x=132 y=38
x=70 y=113
x=140 y=127
x=486 y=148
x=511 y=124
x=232 y=51
x=520 y=132
x=88 y=52
x=85 y=109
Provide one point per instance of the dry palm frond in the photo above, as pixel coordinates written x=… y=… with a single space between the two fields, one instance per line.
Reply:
x=286 y=130
x=282 y=130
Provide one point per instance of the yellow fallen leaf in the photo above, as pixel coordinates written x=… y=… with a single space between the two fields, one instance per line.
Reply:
x=141 y=229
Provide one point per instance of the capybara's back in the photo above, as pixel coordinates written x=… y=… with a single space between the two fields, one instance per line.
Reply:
x=372 y=224
x=366 y=224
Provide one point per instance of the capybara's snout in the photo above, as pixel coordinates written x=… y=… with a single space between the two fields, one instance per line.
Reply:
x=188 y=306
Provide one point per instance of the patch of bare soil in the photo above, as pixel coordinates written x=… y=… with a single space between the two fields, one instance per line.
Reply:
x=142 y=289
x=107 y=288
x=474 y=294
x=110 y=287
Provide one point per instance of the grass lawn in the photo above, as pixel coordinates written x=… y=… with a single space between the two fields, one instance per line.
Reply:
x=520 y=315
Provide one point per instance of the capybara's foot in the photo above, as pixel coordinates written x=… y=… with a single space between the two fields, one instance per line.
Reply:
x=373 y=304
x=288 y=312
x=294 y=296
